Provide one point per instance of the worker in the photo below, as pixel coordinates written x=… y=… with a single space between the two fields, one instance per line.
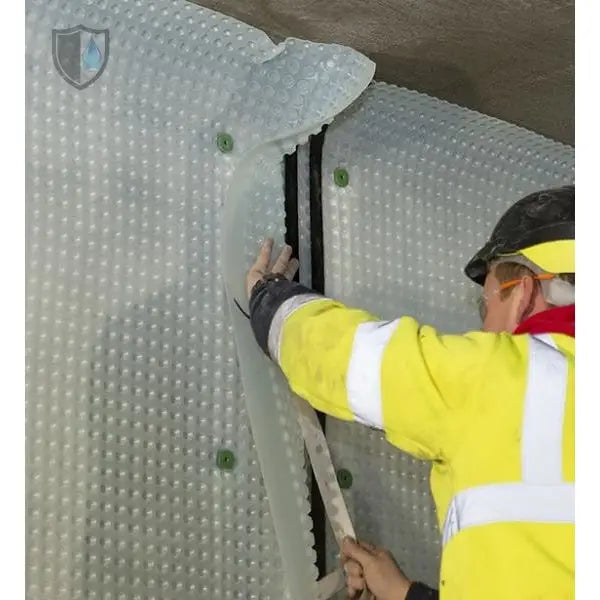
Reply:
x=493 y=410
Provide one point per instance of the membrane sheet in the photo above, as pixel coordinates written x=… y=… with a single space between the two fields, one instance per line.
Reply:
x=155 y=133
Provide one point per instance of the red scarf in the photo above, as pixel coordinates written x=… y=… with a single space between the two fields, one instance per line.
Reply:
x=554 y=320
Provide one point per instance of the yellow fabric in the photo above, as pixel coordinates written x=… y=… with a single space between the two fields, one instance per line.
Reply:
x=521 y=561
x=320 y=377
x=456 y=400
x=553 y=257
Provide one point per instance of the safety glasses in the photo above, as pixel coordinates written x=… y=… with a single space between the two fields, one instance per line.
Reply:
x=483 y=300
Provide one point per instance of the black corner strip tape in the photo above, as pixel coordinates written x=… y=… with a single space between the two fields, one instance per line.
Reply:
x=316 y=211
x=292 y=234
x=317 y=256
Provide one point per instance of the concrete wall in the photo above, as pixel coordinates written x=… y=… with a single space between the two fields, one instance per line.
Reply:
x=512 y=59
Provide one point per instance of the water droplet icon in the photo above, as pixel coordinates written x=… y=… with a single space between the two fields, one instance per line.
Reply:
x=92 y=57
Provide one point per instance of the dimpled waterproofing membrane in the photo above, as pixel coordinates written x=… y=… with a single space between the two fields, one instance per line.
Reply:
x=427 y=182
x=133 y=384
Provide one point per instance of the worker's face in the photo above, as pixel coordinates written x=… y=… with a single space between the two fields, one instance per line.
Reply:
x=504 y=312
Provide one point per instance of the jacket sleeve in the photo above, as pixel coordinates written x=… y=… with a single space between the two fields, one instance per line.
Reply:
x=397 y=376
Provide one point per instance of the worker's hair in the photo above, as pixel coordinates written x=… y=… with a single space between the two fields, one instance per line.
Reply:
x=507 y=271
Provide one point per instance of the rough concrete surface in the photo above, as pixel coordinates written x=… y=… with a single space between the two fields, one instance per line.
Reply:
x=512 y=59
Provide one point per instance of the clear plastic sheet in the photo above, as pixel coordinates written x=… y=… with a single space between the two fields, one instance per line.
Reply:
x=133 y=380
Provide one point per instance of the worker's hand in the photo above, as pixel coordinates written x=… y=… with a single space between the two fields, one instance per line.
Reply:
x=285 y=264
x=374 y=567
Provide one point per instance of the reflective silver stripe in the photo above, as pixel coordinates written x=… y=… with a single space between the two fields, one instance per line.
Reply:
x=290 y=306
x=542 y=496
x=363 y=380
x=543 y=415
x=510 y=502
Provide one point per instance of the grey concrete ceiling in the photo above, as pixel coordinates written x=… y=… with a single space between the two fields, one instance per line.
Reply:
x=512 y=59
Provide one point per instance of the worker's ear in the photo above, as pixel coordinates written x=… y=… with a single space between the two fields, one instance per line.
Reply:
x=523 y=299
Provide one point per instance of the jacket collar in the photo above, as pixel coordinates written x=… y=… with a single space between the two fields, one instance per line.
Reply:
x=560 y=319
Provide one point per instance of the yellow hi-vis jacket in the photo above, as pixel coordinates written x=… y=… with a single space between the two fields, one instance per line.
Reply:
x=493 y=412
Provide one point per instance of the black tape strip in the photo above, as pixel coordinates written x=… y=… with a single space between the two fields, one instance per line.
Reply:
x=316 y=212
x=292 y=236
x=318 y=514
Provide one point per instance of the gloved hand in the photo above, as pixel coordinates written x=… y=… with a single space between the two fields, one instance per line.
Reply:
x=285 y=265
x=376 y=568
